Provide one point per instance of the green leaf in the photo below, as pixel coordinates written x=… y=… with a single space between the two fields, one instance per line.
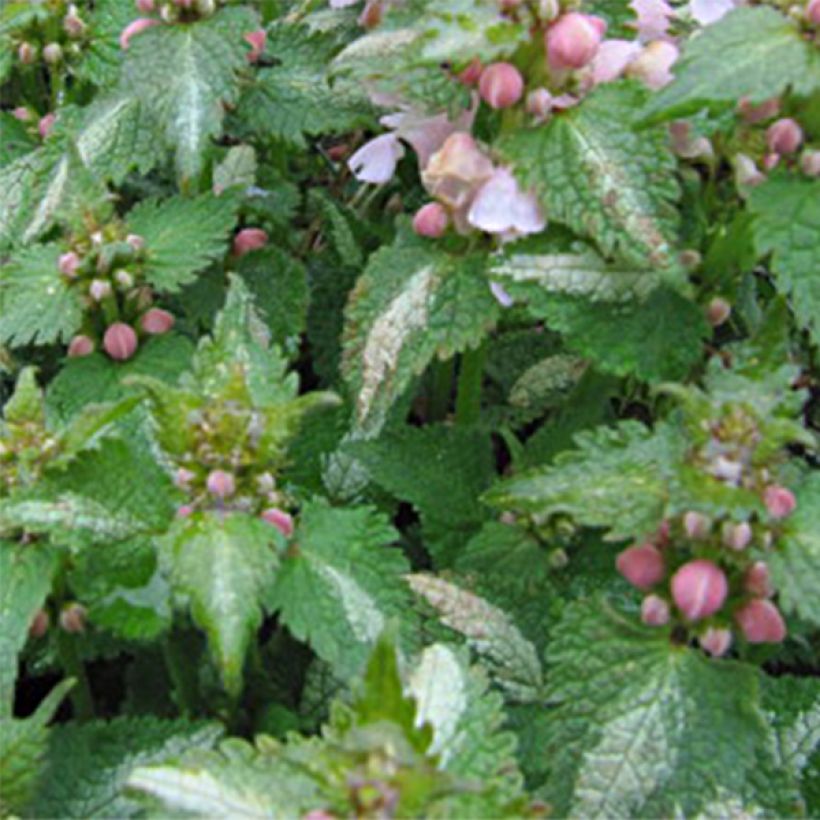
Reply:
x=752 y=52
x=37 y=304
x=226 y=564
x=102 y=55
x=342 y=584
x=237 y=169
x=185 y=75
x=795 y=563
x=26 y=403
x=787 y=211
x=182 y=236
x=617 y=478
x=15 y=140
x=595 y=173
x=640 y=725
x=26 y=581
x=510 y=657
x=412 y=303
x=89 y=763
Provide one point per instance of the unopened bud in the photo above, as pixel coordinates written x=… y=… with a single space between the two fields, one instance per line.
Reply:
x=221 y=484
x=761 y=622
x=145 y=6
x=737 y=536
x=120 y=341
x=472 y=73
x=654 y=611
x=73 y=24
x=372 y=14
x=52 y=53
x=157 y=321
x=123 y=278
x=757 y=580
x=716 y=641
x=185 y=510
x=279 y=519
x=696 y=525
x=135 y=27
x=813 y=12
x=718 y=311
x=99 y=289
x=746 y=172
x=642 y=565
x=266 y=482
x=256 y=40
x=771 y=161
x=249 y=239
x=699 y=589
x=757 y=113
x=135 y=241
x=784 y=136
x=80 y=346
x=22 y=114
x=780 y=502
x=73 y=618
x=431 y=220
x=68 y=264
x=206 y=7
x=501 y=85
x=39 y=624
x=539 y=103
x=558 y=558
x=810 y=163
x=27 y=53
x=573 y=39
x=183 y=478
x=45 y=125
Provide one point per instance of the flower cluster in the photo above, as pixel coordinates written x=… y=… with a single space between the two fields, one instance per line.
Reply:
x=55 y=36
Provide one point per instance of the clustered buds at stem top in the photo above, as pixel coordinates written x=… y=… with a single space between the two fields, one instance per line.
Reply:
x=39 y=624
x=136 y=27
x=654 y=611
x=699 y=589
x=221 y=484
x=80 y=346
x=642 y=565
x=249 y=239
x=573 y=40
x=431 y=220
x=68 y=264
x=156 y=321
x=784 y=136
x=256 y=40
x=716 y=641
x=120 y=341
x=279 y=519
x=72 y=618
x=760 y=621
x=780 y=502
x=501 y=85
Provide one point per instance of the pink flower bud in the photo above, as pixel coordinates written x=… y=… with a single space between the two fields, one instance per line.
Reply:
x=221 y=484
x=39 y=624
x=22 y=114
x=654 y=611
x=573 y=40
x=472 y=74
x=696 y=525
x=737 y=536
x=280 y=519
x=642 y=565
x=431 y=220
x=68 y=264
x=716 y=641
x=652 y=66
x=52 y=53
x=810 y=163
x=771 y=161
x=501 y=85
x=761 y=622
x=249 y=239
x=185 y=510
x=539 y=103
x=813 y=12
x=99 y=289
x=120 y=341
x=27 y=53
x=779 y=501
x=183 y=478
x=718 y=311
x=157 y=321
x=46 y=124
x=757 y=580
x=80 y=346
x=699 y=589
x=784 y=136
x=746 y=172
x=73 y=618
x=145 y=6
x=757 y=113
x=73 y=25
x=123 y=278
x=256 y=40
x=135 y=241
x=135 y=27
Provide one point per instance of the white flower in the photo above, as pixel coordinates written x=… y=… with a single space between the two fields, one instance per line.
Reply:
x=707 y=12
x=500 y=207
x=653 y=18
x=376 y=160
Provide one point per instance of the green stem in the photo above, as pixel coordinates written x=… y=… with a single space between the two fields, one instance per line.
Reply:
x=182 y=674
x=468 y=398
x=73 y=666
x=441 y=389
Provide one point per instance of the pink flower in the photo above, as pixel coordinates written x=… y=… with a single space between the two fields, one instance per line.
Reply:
x=810 y=163
x=135 y=27
x=500 y=207
x=46 y=124
x=501 y=85
x=716 y=641
x=73 y=618
x=249 y=239
x=456 y=171
x=757 y=113
x=737 y=536
x=22 y=114
x=80 y=346
x=280 y=519
x=813 y=12
x=761 y=622
x=573 y=40
x=120 y=341
x=612 y=59
x=156 y=321
x=784 y=136
x=256 y=40
x=653 y=18
x=376 y=161
x=145 y=6
x=184 y=511
x=652 y=65
x=642 y=565
x=501 y=296
x=431 y=220
x=472 y=73
x=747 y=174
x=68 y=264
x=685 y=145
x=696 y=525
x=654 y=611
x=220 y=483
x=780 y=502
x=699 y=589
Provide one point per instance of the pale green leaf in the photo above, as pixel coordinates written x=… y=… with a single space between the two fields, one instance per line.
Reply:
x=237 y=169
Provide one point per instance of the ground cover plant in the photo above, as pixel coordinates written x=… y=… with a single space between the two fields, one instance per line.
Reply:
x=409 y=408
